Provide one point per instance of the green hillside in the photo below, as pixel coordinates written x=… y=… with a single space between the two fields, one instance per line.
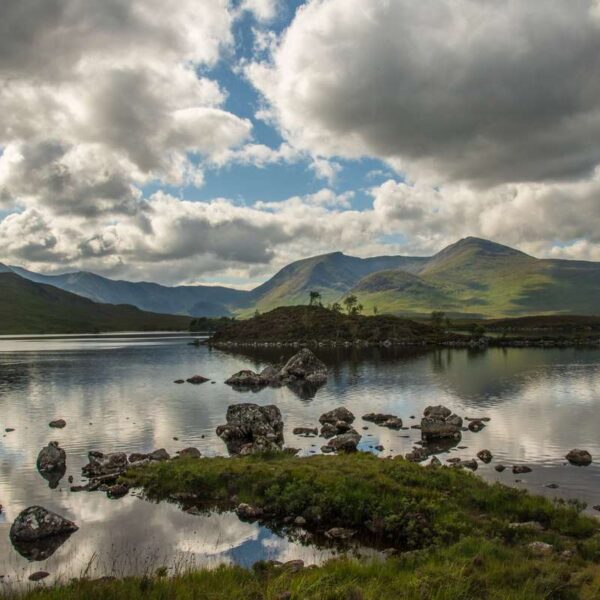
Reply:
x=483 y=279
x=29 y=307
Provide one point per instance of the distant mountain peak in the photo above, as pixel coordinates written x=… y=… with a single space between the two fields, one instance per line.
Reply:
x=483 y=245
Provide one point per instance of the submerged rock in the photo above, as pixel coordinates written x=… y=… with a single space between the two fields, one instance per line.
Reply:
x=58 y=424
x=39 y=575
x=581 y=458
x=500 y=468
x=520 y=469
x=36 y=523
x=252 y=428
x=476 y=426
x=389 y=421
x=306 y=431
x=197 y=379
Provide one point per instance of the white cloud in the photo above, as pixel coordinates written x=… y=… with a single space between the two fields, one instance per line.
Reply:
x=263 y=10
x=487 y=92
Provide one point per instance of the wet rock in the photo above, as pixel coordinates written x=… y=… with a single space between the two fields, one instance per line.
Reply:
x=581 y=458
x=304 y=366
x=58 y=424
x=245 y=379
x=500 y=468
x=340 y=533
x=9 y=429
x=345 y=442
x=137 y=457
x=197 y=379
x=540 y=548
x=249 y=512
x=306 y=431
x=36 y=523
x=469 y=464
x=437 y=412
x=179 y=381
x=189 y=453
x=328 y=430
x=417 y=455
x=485 y=456
x=117 y=491
x=337 y=414
x=476 y=426
x=51 y=464
x=270 y=376
x=553 y=486
x=39 y=575
x=105 y=464
x=520 y=469
x=52 y=458
x=389 y=421
x=248 y=425
x=159 y=455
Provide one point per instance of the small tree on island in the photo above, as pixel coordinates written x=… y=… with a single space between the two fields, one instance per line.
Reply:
x=437 y=318
x=352 y=305
x=315 y=298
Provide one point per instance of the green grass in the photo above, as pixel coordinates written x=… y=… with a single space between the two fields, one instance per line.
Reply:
x=462 y=546
x=34 y=308
x=470 y=570
x=389 y=502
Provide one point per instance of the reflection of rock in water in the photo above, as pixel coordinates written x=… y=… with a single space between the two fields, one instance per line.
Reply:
x=304 y=390
x=53 y=477
x=51 y=464
x=40 y=549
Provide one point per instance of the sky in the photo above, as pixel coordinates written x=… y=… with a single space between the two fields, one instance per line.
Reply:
x=215 y=141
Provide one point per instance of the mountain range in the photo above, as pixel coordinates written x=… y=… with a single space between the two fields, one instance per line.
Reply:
x=471 y=278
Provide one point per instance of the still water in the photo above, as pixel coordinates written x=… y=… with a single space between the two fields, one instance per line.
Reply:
x=116 y=393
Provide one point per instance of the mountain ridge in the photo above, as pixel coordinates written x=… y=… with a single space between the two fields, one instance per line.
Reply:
x=472 y=277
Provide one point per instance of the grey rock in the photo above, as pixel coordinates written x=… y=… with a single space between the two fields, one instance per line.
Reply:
x=245 y=379
x=197 y=379
x=337 y=414
x=304 y=366
x=437 y=412
x=51 y=459
x=36 y=523
x=252 y=428
x=249 y=512
x=540 y=548
x=520 y=469
x=159 y=455
x=485 y=456
x=476 y=426
x=105 y=464
x=189 y=453
x=345 y=442
x=58 y=424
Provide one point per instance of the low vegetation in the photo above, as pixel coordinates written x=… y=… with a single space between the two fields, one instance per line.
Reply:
x=455 y=534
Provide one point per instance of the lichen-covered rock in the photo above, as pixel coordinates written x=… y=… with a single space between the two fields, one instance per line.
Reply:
x=437 y=412
x=51 y=459
x=248 y=425
x=345 y=442
x=485 y=456
x=438 y=422
x=36 y=523
x=304 y=366
x=245 y=379
x=337 y=414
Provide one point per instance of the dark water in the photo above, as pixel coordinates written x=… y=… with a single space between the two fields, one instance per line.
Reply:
x=117 y=394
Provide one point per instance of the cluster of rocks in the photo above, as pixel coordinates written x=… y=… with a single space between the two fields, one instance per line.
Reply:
x=383 y=420
x=439 y=422
x=304 y=368
x=336 y=426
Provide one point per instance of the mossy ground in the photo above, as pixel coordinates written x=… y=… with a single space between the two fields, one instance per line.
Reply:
x=453 y=530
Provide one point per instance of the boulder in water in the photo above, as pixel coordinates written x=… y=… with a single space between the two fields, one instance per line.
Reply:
x=304 y=366
x=36 y=523
x=581 y=458
x=337 y=414
x=252 y=428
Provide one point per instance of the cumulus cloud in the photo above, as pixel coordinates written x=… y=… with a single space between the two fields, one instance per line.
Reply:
x=489 y=92
x=99 y=99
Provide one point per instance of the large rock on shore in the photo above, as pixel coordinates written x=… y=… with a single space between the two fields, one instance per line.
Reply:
x=345 y=442
x=36 y=523
x=251 y=428
x=439 y=422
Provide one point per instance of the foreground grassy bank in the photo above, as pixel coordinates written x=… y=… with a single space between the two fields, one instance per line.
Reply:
x=472 y=569
x=455 y=537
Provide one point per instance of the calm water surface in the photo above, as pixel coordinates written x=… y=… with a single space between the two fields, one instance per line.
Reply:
x=117 y=394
